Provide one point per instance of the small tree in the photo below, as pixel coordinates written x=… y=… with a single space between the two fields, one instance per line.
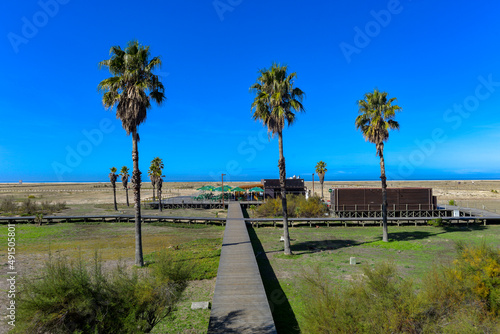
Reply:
x=321 y=170
x=152 y=177
x=124 y=175
x=112 y=178
x=155 y=174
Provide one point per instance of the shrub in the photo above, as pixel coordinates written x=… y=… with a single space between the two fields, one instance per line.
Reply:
x=28 y=207
x=70 y=297
x=452 y=202
x=297 y=206
x=438 y=222
x=477 y=269
x=461 y=298
x=378 y=302
x=8 y=205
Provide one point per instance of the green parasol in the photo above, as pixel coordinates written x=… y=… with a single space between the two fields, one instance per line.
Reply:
x=226 y=188
x=206 y=188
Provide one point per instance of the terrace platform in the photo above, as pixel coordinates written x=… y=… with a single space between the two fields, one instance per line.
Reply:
x=187 y=202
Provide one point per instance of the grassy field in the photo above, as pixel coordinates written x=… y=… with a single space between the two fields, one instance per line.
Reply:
x=414 y=250
x=196 y=245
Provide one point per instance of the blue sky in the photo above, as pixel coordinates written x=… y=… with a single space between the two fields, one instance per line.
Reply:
x=439 y=60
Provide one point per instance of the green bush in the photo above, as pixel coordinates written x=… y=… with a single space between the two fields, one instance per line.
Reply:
x=29 y=207
x=297 y=206
x=8 y=205
x=438 y=222
x=452 y=202
x=461 y=298
x=70 y=297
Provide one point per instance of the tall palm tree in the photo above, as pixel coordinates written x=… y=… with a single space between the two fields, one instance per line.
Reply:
x=321 y=170
x=112 y=178
x=375 y=119
x=124 y=175
x=275 y=102
x=131 y=88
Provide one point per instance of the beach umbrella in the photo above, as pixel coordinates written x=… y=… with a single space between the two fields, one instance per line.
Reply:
x=206 y=188
x=238 y=189
x=226 y=188
x=256 y=189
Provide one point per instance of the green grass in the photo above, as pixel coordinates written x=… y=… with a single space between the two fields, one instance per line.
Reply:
x=202 y=255
x=413 y=251
x=197 y=245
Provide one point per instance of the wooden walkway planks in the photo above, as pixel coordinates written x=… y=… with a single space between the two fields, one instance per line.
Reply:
x=240 y=303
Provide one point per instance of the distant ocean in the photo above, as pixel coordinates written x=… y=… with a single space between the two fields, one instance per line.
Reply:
x=250 y=179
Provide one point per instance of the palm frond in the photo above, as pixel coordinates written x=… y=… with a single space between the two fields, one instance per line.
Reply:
x=133 y=85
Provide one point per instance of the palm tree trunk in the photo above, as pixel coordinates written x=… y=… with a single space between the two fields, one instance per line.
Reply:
x=114 y=196
x=136 y=180
x=126 y=193
x=385 y=234
x=159 y=194
x=281 y=165
x=153 y=184
x=321 y=190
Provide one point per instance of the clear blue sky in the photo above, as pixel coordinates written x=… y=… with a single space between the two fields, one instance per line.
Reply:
x=440 y=60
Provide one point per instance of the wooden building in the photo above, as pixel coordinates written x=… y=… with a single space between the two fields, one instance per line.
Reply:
x=370 y=199
x=272 y=187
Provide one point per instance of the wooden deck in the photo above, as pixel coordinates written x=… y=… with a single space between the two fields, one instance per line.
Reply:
x=239 y=303
x=183 y=202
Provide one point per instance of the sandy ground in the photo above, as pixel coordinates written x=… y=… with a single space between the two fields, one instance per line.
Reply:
x=101 y=193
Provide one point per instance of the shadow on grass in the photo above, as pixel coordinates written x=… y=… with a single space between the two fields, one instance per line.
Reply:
x=309 y=247
x=418 y=235
x=284 y=318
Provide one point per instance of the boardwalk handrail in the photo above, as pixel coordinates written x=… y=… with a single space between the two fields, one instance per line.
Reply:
x=248 y=220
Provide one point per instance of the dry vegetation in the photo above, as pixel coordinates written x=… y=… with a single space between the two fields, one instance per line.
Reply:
x=101 y=193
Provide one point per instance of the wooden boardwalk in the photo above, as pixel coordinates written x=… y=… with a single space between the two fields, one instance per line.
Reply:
x=239 y=303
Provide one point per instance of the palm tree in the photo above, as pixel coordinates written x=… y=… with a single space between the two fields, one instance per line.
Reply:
x=124 y=176
x=375 y=119
x=321 y=170
x=275 y=102
x=112 y=178
x=152 y=177
x=131 y=89
x=155 y=174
